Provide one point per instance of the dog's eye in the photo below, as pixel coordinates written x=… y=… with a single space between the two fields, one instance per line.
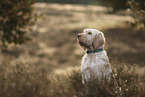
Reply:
x=90 y=33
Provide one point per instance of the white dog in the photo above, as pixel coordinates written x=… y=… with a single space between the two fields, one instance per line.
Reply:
x=95 y=62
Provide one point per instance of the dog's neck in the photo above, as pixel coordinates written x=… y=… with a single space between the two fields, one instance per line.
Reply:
x=91 y=50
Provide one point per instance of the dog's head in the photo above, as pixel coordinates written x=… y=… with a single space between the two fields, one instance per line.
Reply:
x=91 y=39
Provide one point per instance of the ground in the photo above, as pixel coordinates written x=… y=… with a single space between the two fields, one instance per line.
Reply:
x=54 y=47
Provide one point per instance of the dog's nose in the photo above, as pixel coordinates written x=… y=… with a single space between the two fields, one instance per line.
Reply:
x=79 y=35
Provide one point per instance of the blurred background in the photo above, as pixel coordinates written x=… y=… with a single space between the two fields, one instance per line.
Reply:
x=43 y=33
x=40 y=56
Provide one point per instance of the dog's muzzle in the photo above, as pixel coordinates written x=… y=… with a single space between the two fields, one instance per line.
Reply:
x=79 y=35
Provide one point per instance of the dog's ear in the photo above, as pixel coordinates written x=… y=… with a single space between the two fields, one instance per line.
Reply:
x=98 y=40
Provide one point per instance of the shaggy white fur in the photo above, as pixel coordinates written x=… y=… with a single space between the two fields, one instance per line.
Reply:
x=95 y=62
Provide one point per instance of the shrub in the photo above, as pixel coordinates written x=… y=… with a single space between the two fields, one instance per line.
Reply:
x=137 y=8
x=16 y=16
x=23 y=80
x=130 y=81
x=20 y=80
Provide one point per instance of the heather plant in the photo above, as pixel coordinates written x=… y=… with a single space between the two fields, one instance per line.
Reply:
x=24 y=80
x=16 y=17
x=131 y=82
x=20 y=80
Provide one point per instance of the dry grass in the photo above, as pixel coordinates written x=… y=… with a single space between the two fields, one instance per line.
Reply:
x=22 y=80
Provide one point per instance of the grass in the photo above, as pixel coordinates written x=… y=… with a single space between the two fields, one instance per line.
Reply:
x=19 y=80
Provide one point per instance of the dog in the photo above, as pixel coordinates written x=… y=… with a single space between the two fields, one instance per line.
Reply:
x=95 y=62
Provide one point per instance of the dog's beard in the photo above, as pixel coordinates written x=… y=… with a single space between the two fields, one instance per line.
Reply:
x=84 y=45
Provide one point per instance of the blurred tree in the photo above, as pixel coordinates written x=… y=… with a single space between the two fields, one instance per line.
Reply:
x=137 y=8
x=115 y=4
x=16 y=17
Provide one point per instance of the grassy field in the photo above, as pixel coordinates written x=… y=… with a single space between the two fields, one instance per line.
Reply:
x=54 y=46
x=54 y=50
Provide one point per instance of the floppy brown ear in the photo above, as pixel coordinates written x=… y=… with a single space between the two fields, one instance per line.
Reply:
x=98 y=41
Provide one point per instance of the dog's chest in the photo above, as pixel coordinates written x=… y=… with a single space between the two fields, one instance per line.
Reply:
x=94 y=61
